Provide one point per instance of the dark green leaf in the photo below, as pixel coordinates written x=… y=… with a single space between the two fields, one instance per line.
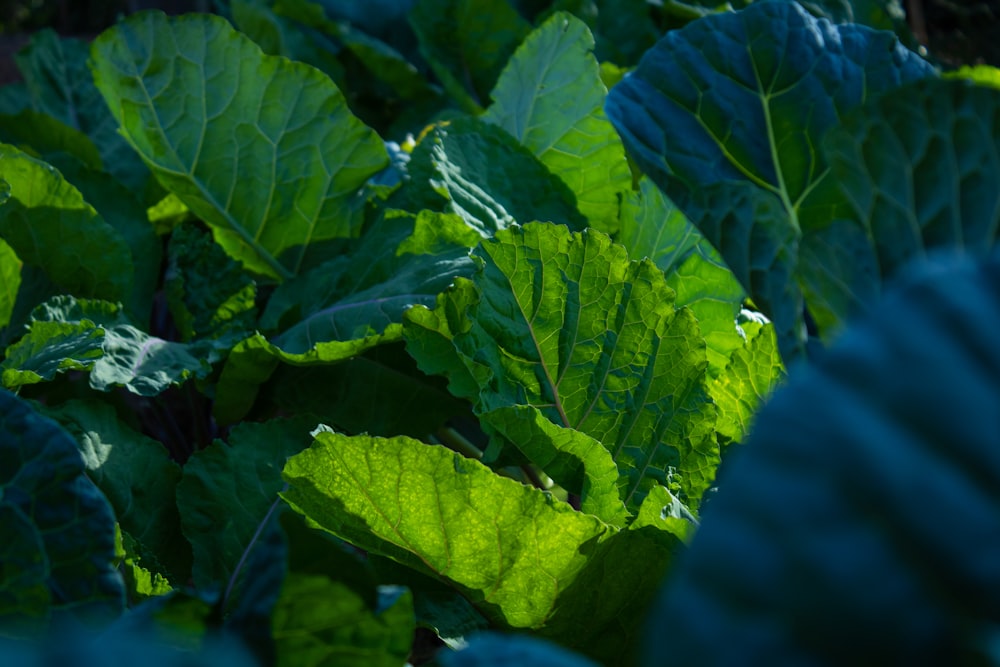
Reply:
x=57 y=532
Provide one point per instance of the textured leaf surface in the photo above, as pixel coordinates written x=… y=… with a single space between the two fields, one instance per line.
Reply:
x=271 y=157
x=864 y=509
x=58 y=531
x=574 y=460
x=489 y=179
x=565 y=322
x=652 y=226
x=138 y=478
x=227 y=490
x=49 y=225
x=550 y=98
x=70 y=334
x=523 y=559
x=947 y=134
x=727 y=114
x=10 y=278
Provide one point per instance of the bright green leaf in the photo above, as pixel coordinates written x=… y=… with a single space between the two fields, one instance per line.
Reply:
x=10 y=280
x=550 y=98
x=271 y=158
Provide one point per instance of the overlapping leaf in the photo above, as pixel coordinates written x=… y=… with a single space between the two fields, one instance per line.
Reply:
x=550 y=98
x=10 y=279
x=49 y=225
x=726 y=115
x=263 y=149
x=524 y=559
x=566 y=323
x=57 y=532
x=839 y=505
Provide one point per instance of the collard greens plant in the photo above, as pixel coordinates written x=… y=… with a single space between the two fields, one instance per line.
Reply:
x=350 y=335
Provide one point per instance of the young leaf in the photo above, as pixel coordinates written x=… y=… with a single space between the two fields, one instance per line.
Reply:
x=57 y=532
x=272 y=158
x=565 y=322
x=726 y=115
x=864 y=508
x=550 y=98
x=488 y=178
x=49 y=225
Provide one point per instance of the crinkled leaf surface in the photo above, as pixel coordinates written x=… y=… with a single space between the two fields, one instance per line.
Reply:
x=97 y=336
x=49 y=225
x=263 y=149
x=136 y=475
x=652 y=226
x=467 y=43
x=947 y=134
x=57 y=530
x=227 y=490
x=550 y=98
x=566 y=323
x=726 y=115
x=523 y=559
x=488 y=178
x=864 y=510
x=573 y=459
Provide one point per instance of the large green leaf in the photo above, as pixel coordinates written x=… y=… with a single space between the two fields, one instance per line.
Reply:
x=138 y=478
x=727 y=114
x=487 y=178
x=49 y=225
x=57 y=532
x=10 y=280
x=565 y=322
x=227 y=490
x=864 y=510
x=263 y=149
x=467 y=43
x=550 y=98
x=915 y=170
x=523 y=559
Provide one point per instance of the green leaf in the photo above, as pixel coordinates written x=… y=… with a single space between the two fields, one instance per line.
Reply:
x=138 y=478
x=467 y=43
x=57 y=532
x=272 y=158
x=652 y=226
x=623 y=30
x=751 y=375
x=59 y=84
x=523 y=559
x=914 y=170
x=852 y=475
x=981 y=75
x=71 y=334
x=726 y=115
x=550 y=98
x=488 y=178
x=10 y=278
x=209 y=295
x=42 y=136
x=492 y=649
x=574 y=460
x=49 y=225
x=565 y=322
x=401 y=261
x=227 y=489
